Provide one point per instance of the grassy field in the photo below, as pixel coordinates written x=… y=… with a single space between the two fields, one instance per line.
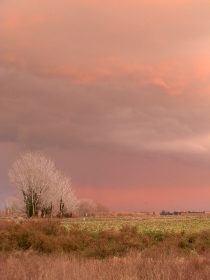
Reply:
x=105 y=248
x=165 y=224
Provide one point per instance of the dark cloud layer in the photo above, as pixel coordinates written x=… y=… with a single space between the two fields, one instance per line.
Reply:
x=117 y=93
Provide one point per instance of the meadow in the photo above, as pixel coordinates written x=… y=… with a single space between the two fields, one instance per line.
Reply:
x=145 y=223
x=121 y=247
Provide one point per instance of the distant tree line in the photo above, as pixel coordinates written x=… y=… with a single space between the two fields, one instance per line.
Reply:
x=163 y=212
x=88 y=208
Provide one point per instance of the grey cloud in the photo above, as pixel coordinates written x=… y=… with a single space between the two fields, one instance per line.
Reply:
x=118 y=94
x=136 y=117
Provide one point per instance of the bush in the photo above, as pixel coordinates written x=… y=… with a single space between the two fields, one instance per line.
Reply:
x=191 y=239
x=23 y=240
x=182 y=244
x=43 y=243
x=52 y=237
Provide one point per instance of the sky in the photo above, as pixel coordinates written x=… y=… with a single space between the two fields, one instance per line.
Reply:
x=116 y=92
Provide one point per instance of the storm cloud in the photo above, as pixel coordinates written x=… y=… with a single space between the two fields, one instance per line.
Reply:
x=116 y=92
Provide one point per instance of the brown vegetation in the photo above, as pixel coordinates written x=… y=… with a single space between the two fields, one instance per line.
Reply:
x=46 y=236
x=152 y=264
x=46 y=249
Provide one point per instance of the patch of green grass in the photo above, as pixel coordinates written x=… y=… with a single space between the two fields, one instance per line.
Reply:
x=157 y=224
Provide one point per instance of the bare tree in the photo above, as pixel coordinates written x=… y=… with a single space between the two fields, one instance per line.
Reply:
x=14 y=204
x=88 y=207
x=68 y=201
x=43 y=187
x=62 y=196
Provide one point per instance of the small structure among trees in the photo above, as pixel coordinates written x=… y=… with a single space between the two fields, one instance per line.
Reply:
x=43 y=189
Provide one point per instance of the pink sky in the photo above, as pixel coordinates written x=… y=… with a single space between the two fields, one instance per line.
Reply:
x=117 y=92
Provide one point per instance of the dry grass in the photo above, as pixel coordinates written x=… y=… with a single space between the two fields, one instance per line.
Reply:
x=48 y=250
x=151 y=265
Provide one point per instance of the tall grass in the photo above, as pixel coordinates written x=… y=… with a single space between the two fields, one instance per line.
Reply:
x=152 y=265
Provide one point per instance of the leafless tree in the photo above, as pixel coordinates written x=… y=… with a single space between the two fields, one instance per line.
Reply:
x=88 y=207
x=62 y=195
x=43 y=187
x=14 y=204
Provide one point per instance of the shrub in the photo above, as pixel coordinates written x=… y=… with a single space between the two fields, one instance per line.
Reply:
x=182 y=244
x=191 y=239
x=23 y=240
x=43 y=243
x=51 y=236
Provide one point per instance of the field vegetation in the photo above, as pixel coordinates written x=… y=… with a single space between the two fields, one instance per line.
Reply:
x=151 y=264
x=144 y=223
x=105 y=248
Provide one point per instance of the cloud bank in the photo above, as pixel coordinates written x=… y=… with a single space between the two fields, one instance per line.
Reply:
x=117 y=92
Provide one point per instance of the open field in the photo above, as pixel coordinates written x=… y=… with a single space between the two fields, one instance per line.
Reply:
x=169 y=224
x=106 y=248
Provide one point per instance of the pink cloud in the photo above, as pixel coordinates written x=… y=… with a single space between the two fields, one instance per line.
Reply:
x=116 y=87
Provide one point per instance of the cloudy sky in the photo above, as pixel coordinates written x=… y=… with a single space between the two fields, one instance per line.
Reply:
x=116 y=92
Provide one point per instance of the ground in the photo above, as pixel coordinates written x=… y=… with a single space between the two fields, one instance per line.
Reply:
x=121 y=247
